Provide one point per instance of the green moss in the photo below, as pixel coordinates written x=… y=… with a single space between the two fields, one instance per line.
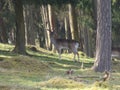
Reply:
x=102 y=84
x=24 y=63
x=58 y=82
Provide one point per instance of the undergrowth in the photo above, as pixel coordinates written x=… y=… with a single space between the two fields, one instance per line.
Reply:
x=42 y=70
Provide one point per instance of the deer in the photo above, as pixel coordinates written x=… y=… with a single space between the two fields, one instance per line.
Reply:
x=60 y=44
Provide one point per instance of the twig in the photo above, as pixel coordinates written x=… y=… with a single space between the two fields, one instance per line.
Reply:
x=88 y=77
x=83 y=77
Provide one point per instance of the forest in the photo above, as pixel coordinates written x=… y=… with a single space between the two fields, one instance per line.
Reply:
x=59 y=44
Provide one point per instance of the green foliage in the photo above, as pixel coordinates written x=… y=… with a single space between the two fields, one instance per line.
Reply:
x=85 y=18
x=52 y=2
x=116 y=22
x=7 y=14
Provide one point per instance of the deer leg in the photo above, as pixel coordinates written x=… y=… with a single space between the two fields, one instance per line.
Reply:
x=59 y=52
x=74 y=57
x=76 y=53
x=59 y=56
x=78 y=56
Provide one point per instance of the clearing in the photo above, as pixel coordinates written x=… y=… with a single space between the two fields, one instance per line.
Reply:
x=42 y=70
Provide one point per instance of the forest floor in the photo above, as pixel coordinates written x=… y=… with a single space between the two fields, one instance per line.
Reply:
x=42 y=70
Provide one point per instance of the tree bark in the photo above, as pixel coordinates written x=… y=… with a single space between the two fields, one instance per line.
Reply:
x=51 y=23
x=73 y=22
x=20 y=28
x=103 y=41
x=46 y=25
x=40 y=28
x=86 y=41
x=3 y=33
x=67 y=28
x=94 y=14
x=29 y=24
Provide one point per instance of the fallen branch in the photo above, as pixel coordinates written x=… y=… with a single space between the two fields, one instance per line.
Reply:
x=78 y=78
x=104 y=78
x=87 y=77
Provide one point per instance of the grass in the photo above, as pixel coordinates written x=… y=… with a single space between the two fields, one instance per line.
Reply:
x=42 y=70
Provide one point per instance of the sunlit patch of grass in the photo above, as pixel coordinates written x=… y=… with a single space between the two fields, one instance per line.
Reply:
x=26 y=64
x=21 y=80
x=34 y=50
x=16 y=87
x=102 y=84
x=6 y=47
x=6 y=51
x=58 y=82
x=4 y=56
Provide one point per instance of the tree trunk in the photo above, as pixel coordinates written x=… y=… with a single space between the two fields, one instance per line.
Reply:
x=29 y=24
x=51 y=23
x=40 y=28
x=46 y=25
x=20 y=28
x=103 y=41
x=90 y=39
x=51 y=17
x=95 y=13
x=81 y=37
x=12 y=36
x=73 y=22
x=3 y=33
x=86 y=41
x=67 y=28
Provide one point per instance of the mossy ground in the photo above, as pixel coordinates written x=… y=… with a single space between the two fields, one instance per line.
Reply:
x=42 y=70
